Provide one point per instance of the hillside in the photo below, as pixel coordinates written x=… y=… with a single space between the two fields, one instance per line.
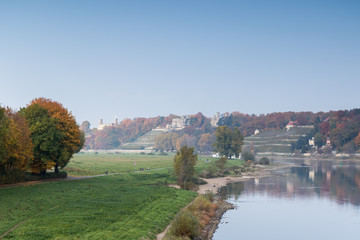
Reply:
x=145 y=141
x=278 y=141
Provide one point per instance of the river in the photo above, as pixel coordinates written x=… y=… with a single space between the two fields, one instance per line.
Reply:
x=312 y=199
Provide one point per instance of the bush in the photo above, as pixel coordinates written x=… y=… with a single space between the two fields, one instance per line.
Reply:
x=201 y=203
x=163 y=154
x=210 y=172
x=210 y=196
x=150 y=153
x=185 y=225
x=248 y=156
x=142 y=153
x=264 y=161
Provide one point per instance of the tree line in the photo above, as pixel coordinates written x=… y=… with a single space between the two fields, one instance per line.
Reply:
x=39 y=137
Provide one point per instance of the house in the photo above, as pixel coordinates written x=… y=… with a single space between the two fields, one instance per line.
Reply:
x=291 y=125
x=312 y=142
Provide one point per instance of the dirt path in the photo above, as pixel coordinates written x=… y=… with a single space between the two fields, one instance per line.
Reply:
x=53 y=180
x=13 y=228
x=70 y=178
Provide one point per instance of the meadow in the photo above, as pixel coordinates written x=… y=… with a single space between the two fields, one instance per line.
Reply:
x=130 y=205
x=95 y=164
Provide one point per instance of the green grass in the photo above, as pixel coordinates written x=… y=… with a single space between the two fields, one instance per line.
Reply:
x=125 y=206
x=129 y=206
x=94 y=164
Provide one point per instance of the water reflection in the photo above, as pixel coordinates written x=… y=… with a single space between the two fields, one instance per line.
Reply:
x=337 y=180
x=314 y=199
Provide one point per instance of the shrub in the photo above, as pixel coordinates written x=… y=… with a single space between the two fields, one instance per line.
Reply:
x=202 y=203
x=185 y=225
x=264 y=161
x=248 y=156
x=163 y=154
x=142 y=153
x=210 y=196
x=150 y=153
x=209 y=172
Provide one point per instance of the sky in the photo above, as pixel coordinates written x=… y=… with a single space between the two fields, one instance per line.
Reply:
x=127 y=59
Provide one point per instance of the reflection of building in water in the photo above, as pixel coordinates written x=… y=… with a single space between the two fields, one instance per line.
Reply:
x=321 y=178
x=290 y=187
x=312 y=175
x=328 y=176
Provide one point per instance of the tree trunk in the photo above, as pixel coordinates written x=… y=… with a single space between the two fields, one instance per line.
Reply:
x=56 y=168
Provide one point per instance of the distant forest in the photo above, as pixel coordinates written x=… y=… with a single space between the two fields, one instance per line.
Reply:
x=342 y=128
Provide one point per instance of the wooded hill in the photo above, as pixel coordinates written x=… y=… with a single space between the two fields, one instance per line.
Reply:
x=341 y=128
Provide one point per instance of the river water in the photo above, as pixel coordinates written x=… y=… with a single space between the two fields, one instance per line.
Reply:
x=313 y=199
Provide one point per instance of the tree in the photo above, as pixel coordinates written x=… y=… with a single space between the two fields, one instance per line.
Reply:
x=4 y=128
x=228 y=141
x=16 y=146
x=220 y=163
x=46 y=138
x=72 y=141
x=185 y=140
x=85 y=127
x=184 y=162
x=166 y=141
x=357 y=141
x=206 y=142
x=319 y=140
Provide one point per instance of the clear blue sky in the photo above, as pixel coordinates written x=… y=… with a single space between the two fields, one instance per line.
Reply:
x=106 y=59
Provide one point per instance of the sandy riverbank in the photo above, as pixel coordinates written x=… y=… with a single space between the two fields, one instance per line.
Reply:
x=260 y=171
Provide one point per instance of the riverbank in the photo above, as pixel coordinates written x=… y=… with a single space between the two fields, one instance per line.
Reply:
x=214 y=184
x=259 y=171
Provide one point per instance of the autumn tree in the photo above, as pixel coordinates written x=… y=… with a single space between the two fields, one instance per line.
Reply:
x=184 y=162
x=357 y=141
x=45 y=136
x=16 y=143
x=166 y=141
x=206 y=142
x=57 y=130
x=186 y=140
x=228 y=141
x=4 y=128
x=319 y=140
x=72 y=141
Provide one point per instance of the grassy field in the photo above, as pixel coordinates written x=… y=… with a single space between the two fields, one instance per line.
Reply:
x=128 y=206
x=94 y=164
x=131 y=205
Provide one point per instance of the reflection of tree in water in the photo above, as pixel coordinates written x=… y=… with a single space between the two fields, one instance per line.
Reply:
x=231 y=190
x=337 y=180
